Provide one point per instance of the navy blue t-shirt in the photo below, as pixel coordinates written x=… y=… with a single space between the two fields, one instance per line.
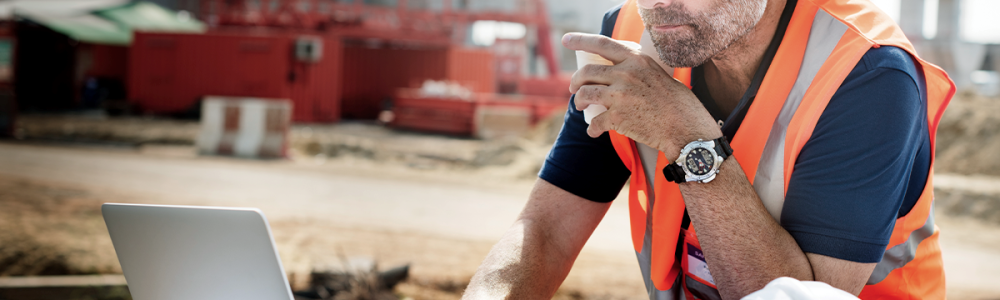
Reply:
x=865 y=164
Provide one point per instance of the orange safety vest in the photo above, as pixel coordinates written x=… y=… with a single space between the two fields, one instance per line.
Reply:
x=823 y=42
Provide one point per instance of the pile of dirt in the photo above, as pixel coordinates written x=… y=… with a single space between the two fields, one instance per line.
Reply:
x=126 y=131
x=968 y=204
x=351 y=139
x=969 y=136
x=375 y=142
x=363 y=284
x=518 y=157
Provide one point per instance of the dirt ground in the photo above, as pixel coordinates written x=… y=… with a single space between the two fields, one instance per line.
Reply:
x=968 y=140
x=50 y=213
x=53 y=226
x=51 y=229
x=356 y=190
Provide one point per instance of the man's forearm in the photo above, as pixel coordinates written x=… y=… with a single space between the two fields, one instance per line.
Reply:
x=744 y=246
x=523 y=265
x=537 y=252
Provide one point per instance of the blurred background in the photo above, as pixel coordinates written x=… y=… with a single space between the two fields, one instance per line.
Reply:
x=373 y=133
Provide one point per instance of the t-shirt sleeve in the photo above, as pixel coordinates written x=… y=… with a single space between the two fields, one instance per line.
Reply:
x=584 y=166
x=868 y=157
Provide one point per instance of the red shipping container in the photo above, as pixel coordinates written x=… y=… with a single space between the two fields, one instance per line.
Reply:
x=451 y=116
x=541 y=107
x=550 y=87
x=316 y=90
x=544 y=107
x=171 y=72
x=473 y=68
x=458 y=117
x=373 y=75
x=103 y=60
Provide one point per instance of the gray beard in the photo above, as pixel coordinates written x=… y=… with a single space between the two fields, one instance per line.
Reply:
x=705 y=35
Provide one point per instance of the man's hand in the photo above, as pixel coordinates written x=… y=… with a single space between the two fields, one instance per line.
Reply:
x=644 y=102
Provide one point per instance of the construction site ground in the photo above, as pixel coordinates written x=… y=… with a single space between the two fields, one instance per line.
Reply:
x=362 y=190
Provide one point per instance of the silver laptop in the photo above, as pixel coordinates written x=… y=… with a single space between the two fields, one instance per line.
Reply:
x=190 y=252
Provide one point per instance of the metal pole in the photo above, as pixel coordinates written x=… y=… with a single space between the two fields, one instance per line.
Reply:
x=545 y=48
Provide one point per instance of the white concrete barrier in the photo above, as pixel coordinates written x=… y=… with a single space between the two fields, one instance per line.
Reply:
x=244 y=127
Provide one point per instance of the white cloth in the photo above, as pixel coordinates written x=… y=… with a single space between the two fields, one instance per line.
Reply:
x=786 y=288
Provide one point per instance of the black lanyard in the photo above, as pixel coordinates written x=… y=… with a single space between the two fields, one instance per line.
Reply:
x=732 y=123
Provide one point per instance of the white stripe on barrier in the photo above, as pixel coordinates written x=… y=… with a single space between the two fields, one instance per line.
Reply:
x=244 y=127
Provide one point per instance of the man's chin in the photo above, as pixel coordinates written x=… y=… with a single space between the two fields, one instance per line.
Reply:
x=680 y=52
x=683 y=60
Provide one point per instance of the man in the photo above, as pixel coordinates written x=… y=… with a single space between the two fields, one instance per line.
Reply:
x=831 y=120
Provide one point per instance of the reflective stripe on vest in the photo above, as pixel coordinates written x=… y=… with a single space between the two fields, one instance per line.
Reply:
x=824 y=41
x=768 y=182
x=654 y=247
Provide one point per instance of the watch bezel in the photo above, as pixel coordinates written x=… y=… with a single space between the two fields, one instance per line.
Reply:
x=689 y=175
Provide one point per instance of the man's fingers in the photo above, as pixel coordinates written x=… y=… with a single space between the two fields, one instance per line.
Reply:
x=597 y=44
x=589 y=75
x=599 y=125
x=591 y=94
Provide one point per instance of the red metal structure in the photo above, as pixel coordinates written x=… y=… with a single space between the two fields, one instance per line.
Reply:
x=407 y=21
x=371 y=76
x=367 y=53
x=171 y=72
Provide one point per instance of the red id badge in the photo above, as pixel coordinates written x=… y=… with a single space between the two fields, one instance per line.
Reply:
x=694 y=265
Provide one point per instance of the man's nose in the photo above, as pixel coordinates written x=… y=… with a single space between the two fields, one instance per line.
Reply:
x=647 y=4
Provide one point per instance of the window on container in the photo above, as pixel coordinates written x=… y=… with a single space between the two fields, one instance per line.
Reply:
x=485 y=33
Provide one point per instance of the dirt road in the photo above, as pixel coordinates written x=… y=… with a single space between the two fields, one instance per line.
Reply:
x=443 y=221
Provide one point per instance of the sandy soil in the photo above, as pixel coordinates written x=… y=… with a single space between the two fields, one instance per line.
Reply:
x=435 y=202
x=971 y=257
x=51 y=230
x=967 y=136
x=441 y=222
x=50 y=197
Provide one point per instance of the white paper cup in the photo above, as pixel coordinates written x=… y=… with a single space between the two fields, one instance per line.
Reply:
x=584 y=58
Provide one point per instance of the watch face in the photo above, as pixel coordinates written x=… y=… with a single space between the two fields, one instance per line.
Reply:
x=700 y=161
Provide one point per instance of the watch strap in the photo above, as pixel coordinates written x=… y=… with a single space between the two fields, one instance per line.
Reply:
x=674 y=173
x=722 y=147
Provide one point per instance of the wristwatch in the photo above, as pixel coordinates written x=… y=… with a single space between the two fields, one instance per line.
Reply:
x=699 y=161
